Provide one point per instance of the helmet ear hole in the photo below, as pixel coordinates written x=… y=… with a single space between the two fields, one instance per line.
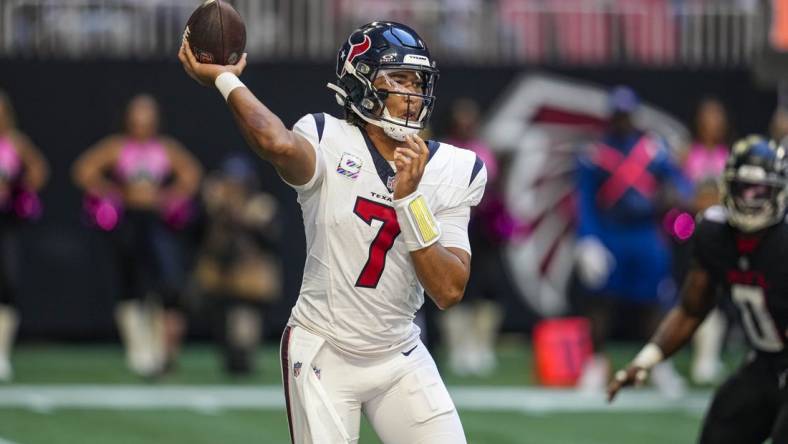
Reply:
x=368 y=104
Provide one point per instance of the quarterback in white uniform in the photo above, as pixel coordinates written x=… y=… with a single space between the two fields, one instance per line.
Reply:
x=386 y=217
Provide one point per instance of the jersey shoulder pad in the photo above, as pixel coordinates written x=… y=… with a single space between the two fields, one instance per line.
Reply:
x=311 y=127
x=711 y=227
x=717 y=214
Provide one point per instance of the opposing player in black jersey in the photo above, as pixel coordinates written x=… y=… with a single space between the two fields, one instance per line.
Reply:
x=741 y=247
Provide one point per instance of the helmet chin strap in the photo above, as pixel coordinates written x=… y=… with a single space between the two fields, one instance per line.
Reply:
x=393 y=130
x=340 y=93
x=396 y=132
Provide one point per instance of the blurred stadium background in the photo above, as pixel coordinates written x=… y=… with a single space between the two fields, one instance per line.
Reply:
x=539 y=71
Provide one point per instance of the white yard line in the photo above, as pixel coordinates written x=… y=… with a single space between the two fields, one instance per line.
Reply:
x=5 y=441
x=209 y=399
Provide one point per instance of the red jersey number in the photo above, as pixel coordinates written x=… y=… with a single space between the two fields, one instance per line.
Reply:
x=368 y=211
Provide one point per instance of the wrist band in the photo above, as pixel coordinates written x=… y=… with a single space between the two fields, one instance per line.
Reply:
x=650 y=356
x=418 y=225
x=227 y=82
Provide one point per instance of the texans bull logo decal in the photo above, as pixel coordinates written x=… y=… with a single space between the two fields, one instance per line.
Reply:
x=356 y=49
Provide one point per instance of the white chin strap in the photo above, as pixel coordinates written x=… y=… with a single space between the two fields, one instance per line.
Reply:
x=396 y=132
x=393 y=130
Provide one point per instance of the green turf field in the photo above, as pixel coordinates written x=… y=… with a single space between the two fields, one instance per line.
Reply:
x=83 y=394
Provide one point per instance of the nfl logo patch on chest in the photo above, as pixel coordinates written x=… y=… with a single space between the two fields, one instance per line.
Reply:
x=349 y=166
x=391 y=182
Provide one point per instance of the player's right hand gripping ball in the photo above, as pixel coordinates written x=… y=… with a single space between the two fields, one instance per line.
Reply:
x=216 y=33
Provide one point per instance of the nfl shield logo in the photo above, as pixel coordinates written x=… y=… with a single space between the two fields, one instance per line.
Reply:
x=297 y=369
x=390 y=182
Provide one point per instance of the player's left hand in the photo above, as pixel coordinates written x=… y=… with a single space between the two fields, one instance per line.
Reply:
x=632 y=375
x=410 y=161
x=205 y=73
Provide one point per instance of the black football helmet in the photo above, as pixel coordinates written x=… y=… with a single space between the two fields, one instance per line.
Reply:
x=755 y=183
x=386 y=50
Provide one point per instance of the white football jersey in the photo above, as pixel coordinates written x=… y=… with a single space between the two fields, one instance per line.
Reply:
x=360 y=289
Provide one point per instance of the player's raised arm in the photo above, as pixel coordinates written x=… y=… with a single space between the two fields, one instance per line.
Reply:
x=291 y=154
x=697 y=299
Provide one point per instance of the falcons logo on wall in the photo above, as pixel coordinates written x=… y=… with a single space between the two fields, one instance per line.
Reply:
x=545 y=121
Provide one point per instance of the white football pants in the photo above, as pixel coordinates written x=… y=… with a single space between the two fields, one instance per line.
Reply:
x=402 y=394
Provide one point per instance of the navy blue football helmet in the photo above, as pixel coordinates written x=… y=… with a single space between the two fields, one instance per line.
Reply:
x=755 y=183
x=386 y=50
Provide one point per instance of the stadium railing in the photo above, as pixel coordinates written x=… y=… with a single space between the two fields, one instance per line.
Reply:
x=669 y=33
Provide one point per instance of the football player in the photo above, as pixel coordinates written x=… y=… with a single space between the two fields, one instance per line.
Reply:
x=741 y=246
x=386 y=216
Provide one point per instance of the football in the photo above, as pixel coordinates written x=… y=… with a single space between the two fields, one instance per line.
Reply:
x=216 y=33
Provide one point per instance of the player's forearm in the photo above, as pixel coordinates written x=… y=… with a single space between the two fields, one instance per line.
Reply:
x=37 y=174
x=261 y=128
x=442 y=274
x=675 y=331
x=91 y=179
x=187 y=179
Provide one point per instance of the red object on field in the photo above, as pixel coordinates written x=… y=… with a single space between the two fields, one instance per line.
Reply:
x=561 y=348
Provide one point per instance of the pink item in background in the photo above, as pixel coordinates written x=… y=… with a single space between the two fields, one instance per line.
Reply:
x=27 y=205
x=705 y=163
x=104 y=212
x=10 y=163
x=679 y=224
x=177 y=212
x=143 y=161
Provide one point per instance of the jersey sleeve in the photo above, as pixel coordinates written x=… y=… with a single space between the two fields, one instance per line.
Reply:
x=454 y=227
x=466 y=189
x=311 y=128
x=477 y=183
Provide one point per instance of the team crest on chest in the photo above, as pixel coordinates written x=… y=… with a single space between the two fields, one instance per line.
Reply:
x=349 y=166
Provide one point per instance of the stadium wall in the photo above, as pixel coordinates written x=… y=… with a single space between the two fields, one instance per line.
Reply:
x=65 y=278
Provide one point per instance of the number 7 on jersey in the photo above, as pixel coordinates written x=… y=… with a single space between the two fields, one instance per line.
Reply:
x=368 y=211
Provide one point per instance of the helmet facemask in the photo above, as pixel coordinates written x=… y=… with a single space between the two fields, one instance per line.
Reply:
x=411 y=93
x=754 y=204
x=414 y=85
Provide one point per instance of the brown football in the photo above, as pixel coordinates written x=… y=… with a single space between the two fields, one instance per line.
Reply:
x=216 y=33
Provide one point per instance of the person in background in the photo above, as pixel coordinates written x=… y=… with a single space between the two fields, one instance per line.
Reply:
x=706 y=155
x=703 y=165
x=625 y=181
x=143 y=182
x=237 y=268
x=471 y=328
x=778 y=127
x=23 y=172
x=739 y=246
